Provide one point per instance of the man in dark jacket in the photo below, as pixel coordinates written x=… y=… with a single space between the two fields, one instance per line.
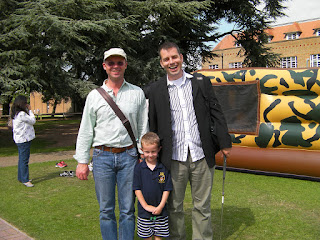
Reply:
x=185 y=113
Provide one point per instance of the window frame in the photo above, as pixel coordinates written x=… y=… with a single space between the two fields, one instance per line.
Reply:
x=270 y=38
x=213 y=66
x=315 y=60
x=293 y=35
x=235 y=65
x=289 y=62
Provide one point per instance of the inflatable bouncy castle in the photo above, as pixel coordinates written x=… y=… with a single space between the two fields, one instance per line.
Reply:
x=273 y=117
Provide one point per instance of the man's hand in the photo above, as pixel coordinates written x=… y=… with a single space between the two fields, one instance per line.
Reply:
x=226 y=152
x=82 y=171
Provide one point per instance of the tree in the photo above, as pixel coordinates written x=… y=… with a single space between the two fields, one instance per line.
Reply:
x=191 y=24
x=53 y=46
x=56 y=47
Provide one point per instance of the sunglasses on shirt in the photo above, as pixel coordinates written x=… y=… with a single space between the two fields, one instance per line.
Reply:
x=111 y=64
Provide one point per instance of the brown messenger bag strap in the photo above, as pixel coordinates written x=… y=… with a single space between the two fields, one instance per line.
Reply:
x=119 y=113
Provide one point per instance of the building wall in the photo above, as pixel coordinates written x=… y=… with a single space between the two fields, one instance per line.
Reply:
x=308 y=44
x=42 y=108
x=301 y=48
x=225 y=56
x=38 y=107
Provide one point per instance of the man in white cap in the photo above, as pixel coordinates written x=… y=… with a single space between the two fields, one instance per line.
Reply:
x=114 y=155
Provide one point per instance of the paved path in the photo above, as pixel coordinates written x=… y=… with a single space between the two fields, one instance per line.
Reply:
x=38 y=157
x=8 y=231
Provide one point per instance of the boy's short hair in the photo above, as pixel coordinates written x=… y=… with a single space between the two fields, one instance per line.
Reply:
x=150 y=138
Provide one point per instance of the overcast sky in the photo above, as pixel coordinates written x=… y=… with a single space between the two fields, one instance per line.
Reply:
x=298 y=10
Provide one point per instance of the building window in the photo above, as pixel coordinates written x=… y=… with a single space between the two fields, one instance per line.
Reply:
x=317 y=32
x=288 y=62
x=235 y=65
x=213 y=66
x=237 y=44
x=315 y=60
x=291 y=36
x=270 y=38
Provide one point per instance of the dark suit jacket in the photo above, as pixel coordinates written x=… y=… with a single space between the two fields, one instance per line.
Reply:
x=160 y=118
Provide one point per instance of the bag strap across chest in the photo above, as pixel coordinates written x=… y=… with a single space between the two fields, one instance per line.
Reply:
x=119 y=113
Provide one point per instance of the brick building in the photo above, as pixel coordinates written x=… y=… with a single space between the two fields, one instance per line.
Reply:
x=40 y=107
x=297 y=43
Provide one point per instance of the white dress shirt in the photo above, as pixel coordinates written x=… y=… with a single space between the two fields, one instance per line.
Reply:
x=186 y=135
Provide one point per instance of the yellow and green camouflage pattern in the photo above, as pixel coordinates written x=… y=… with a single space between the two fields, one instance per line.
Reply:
x=289 y=106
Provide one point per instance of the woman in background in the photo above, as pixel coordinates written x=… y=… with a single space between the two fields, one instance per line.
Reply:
x=23 y=133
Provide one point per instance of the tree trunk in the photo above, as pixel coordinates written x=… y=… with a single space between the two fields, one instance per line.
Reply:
x=54 y=107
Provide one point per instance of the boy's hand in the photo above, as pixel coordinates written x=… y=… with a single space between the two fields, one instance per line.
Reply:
x=157 y=210
x=141 y=158
x=150 y=208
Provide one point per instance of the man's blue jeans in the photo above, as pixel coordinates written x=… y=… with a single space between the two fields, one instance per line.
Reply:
x=109 y=170
x=23 y=164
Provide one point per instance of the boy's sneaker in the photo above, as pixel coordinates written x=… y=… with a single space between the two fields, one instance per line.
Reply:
x=28 y=184
x=61 y=164
x=72 y=174
x=67 y=174
x=90 y=165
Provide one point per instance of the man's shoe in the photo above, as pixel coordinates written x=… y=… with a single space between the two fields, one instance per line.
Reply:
x=28 y=184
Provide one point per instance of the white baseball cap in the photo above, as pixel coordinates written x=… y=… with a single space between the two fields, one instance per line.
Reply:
x=114 y=52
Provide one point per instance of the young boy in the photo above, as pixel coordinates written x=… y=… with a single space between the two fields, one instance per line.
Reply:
x=152 y=185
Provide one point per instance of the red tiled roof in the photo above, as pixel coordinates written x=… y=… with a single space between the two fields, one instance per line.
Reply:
x=226 y=42
x=278 y=33
x=292 y=28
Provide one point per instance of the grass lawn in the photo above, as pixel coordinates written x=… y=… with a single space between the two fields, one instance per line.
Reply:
x=255 y=207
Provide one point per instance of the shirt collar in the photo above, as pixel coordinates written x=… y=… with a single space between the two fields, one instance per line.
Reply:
x=158 y=165
x=104 y=86
x=184 y=77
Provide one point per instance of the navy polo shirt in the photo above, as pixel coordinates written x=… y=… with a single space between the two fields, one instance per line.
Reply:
x=152 y=184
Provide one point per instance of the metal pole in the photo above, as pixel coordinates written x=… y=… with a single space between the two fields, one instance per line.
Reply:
x=222 y=61
x=222 y=200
